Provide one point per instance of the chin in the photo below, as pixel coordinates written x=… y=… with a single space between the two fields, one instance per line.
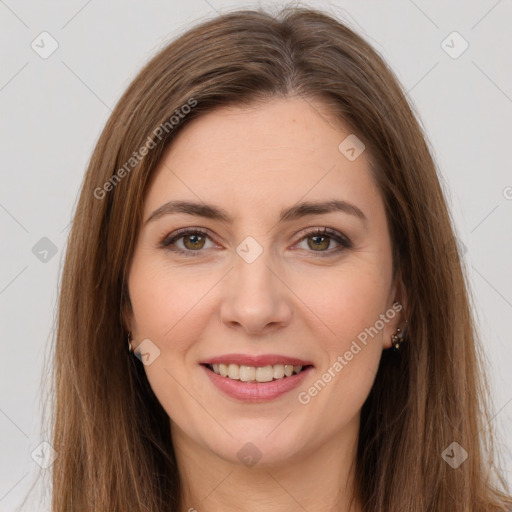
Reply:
x=265 y=443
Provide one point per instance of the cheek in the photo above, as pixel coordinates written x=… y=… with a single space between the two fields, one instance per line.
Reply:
x=164 y=300
x=352 y=309
x=171 y=310
x=353 y=306
x=346 y=302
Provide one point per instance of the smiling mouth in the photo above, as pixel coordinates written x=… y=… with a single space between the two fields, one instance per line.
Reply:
x=256 y=374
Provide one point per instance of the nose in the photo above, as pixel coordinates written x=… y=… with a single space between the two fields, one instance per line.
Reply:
x=256 y=298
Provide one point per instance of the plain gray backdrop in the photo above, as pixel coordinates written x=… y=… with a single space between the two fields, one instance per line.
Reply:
x=55 y=105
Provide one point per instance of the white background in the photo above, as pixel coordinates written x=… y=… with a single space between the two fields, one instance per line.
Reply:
x=52 y=111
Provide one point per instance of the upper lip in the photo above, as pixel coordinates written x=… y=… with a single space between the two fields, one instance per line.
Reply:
x=260 y=360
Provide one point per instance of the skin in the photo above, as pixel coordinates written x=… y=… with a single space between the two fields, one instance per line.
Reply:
x=253 y=162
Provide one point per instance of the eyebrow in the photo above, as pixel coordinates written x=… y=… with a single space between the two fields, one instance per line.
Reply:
x=295 y=212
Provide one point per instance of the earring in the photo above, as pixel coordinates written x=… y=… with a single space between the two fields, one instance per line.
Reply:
x=398 y=338
x=129 y=344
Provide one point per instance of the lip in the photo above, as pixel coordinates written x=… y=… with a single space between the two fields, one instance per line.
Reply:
x=256 y=392
x=261 y=360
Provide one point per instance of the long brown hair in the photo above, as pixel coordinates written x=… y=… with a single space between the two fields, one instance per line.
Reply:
x=111 y=434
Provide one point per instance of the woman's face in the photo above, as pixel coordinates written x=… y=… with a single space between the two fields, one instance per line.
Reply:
x=257 y=292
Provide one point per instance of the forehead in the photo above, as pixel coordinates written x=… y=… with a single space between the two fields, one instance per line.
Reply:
x=244 y=158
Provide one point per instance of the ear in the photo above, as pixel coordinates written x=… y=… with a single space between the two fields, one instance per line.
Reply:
x=397 y=310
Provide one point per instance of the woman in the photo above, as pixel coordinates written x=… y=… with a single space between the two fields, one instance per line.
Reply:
x=262 y=304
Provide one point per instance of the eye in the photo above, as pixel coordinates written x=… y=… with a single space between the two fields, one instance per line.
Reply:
x=188 y=241
x=320 y=239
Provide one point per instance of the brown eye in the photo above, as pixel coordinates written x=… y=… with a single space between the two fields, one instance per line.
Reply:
x=187 y=241
x=193 y=242
x=319 y=242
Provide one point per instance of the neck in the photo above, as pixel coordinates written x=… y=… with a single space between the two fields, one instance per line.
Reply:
x=318 y=479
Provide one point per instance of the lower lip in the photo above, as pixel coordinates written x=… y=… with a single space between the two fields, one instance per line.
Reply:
x=256 y=391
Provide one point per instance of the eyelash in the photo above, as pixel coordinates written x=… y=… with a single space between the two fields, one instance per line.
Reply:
x=169 y=240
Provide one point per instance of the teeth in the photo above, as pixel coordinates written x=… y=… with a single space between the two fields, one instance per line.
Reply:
x=247 y=373
x=234 y=371
x=255 y=374
x=278 y=371
x=264 y=373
